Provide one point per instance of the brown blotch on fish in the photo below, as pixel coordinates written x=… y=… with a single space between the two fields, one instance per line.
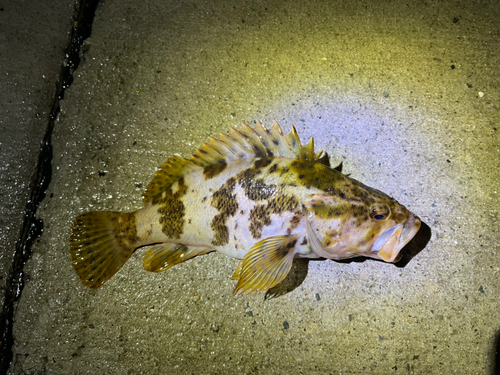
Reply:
x=326 y=211
x=331 y=233
x=257 y=151
x=282 y=203
x=247 y=176
x=285 y=170
x=172 y=210
x=262 y=163
x=213 y=170
x=125 y=228
x=359 y=212
x=226 y=203
x=296 y=220
x=258 y=190
x=311 y=174
x=273 y=168
x=260 y=215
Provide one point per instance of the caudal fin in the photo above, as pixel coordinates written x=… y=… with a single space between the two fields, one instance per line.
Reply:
x=100 y=243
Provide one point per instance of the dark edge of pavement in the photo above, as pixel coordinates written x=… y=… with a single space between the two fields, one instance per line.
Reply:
x=32 y=227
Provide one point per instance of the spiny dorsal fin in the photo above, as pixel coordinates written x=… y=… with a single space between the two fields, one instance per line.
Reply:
x=246 y=143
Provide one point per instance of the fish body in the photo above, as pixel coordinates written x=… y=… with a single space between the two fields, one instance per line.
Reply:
x=256 y=195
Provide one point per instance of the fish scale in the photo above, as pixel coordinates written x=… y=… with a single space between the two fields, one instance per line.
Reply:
x=256 y=195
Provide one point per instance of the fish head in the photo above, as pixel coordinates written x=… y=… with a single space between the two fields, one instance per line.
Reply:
x=359 y=222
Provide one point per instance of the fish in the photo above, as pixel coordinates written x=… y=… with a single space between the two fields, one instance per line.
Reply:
x=254 y=194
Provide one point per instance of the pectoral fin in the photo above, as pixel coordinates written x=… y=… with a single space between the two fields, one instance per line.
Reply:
x=163 y=256
x=266 y=264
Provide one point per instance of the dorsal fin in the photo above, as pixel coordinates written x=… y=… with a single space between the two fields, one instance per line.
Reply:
x=246 y=143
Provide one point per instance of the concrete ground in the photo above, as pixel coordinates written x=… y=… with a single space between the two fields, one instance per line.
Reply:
x=32 y=42
x=405 y=94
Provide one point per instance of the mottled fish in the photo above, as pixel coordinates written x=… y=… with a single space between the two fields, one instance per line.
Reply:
x=256 y=195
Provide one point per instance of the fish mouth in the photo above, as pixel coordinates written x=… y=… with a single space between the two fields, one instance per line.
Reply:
x=389 y=244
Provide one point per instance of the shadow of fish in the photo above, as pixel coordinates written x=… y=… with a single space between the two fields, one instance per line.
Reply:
x=256 y=195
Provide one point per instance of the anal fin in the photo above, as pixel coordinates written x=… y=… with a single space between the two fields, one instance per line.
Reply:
x=161 y=257
x=265 y=265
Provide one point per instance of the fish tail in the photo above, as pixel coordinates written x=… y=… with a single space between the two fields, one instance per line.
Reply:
x=100 y=243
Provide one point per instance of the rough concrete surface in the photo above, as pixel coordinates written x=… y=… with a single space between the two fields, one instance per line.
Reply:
x=406 y=94
x=33 y=37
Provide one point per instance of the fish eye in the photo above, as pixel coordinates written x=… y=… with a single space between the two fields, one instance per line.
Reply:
x=379 y=211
